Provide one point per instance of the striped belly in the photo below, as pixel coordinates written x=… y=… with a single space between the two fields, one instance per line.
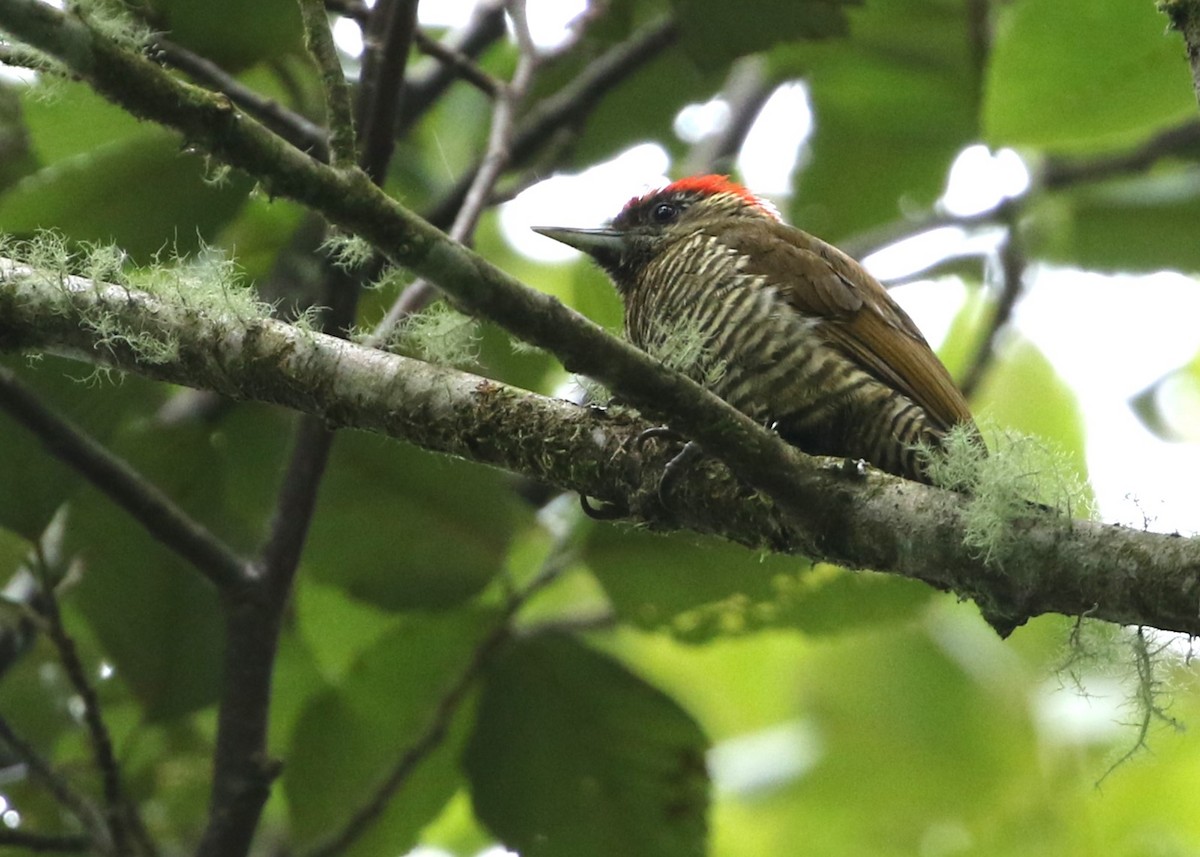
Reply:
x=766 y=359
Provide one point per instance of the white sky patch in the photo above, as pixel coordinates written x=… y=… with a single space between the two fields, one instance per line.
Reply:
x=347 y=36
x=1109 y=339
x=772 y=147
x=916 y=253
x=765 y=759
x=550 y=21
x=1064 y=716
x=980 y=180
x=933 y=304
x=587 y=199
x=697 y=121
x=445 y=13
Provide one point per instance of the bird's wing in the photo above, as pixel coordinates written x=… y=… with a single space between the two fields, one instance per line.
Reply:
x=859 y=317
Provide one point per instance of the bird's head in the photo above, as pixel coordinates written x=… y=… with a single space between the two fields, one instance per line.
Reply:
x=650 y=223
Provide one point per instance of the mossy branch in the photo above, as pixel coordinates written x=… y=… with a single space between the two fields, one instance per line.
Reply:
x=869 y=520
x=347 y=198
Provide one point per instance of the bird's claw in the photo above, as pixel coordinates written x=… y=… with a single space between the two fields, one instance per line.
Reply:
x=605 y=512
x=656 y=433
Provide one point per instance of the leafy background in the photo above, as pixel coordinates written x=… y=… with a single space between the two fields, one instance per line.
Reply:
x=840 y=714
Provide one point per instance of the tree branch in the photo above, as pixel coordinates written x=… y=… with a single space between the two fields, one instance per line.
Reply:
x=75 y=803
x=339 y=113
x=387 y=37
x=569 y=106
x=151 y=508
x=434 y=734
x=870 y=521
x=1185 y=17
x=293 y=127
x=125 y=823
x=495 y=159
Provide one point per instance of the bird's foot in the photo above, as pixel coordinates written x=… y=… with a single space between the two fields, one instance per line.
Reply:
x=603 y=512
x=657 y=433
x=671 y=473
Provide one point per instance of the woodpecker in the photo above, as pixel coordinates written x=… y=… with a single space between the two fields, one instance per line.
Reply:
x=792 y=331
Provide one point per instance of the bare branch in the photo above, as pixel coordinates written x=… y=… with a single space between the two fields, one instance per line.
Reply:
x=387 y=36
x=122 y=815
x=431 y=79
x=296 y=129
x=462 y=64
x=858 y=521
x=1012 y=265
x=75 y=803
x=38 y=842
x=319 y=40
x=151 y=508
x=495 y=159
x=570 y=106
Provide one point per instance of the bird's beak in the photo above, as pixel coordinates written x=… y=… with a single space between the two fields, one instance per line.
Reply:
x=606 y=246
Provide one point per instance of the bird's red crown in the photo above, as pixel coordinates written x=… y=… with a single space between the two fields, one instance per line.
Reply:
x=709 y=185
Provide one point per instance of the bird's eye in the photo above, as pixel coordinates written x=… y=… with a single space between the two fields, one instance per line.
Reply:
x=665 y=212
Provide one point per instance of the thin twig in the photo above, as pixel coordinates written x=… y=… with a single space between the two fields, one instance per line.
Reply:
x=39 y=842
x=122 y=815
x=435 y=732
x=354 y=9
x=1013 y=263
x=496 y=158
x=463 y=65
x=296 y=129
x=242 y=769
x=746 y=90
x=570 y=106
x=318 y=38
x=112 y=476
x=386 y=37
x=80 y=806
x=431 y=79
x=1061 y=172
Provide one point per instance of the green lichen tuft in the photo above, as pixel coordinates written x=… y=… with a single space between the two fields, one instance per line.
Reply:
x=207 y=284
x=684 y=347
x=1141 y=661
x=113 y=21
x=348 y=252
x=1021 y=473
x=438 y=335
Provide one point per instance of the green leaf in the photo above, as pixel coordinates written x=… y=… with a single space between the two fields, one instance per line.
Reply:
x=1077 y=74
x=231 y=33
x=156 y=617
x=1052 y=412
x=573 y=755
x=892 y=107
x=1142 y=223
x=643 y=108
x=139 y=192
x=33 y=484
x=73 y=119
x=696 y=588
x=832 y=600
x=715 y=32
x=1170 y=407
x=699 y=589
x=351 y=737
x=401 y=528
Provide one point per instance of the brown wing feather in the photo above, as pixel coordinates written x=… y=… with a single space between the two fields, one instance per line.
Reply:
x=861 y=319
